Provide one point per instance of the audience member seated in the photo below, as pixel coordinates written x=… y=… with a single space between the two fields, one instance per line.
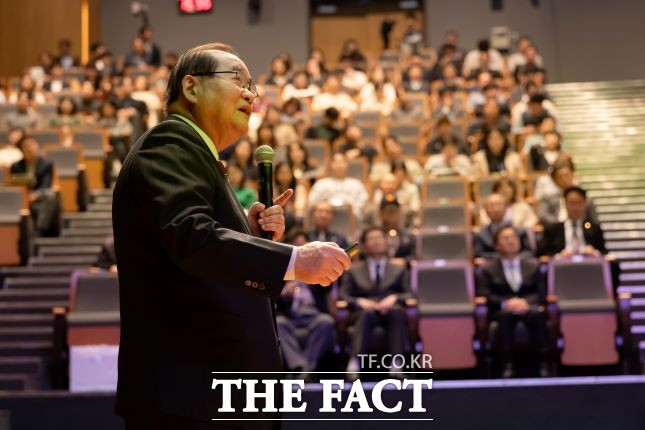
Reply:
x=519 y=57
x=11 y=154
x=416 y=82
x=491 y=119
x=449 y=162
x=401 y=243
x=352 y=52
x=515 y=290
x=38 y=173
x=354 y=146
x=378 y=94
x=352 y=80
x=448 y=107
x=333 y=96
x=543 y=156
x=484 y=240
x=243 y=156
x=245 y=195
x=578 y=234
x=106 y=259
x=375 y=288
x=322 y=216
x=497 y=156
x=24 y=116
x=340 y=188
x=136 y=58
x=328 y=130
x=298 y=308
x=519 y=213
x=66 y=115
x=151 y=50
x=278 y=74
x=472 y=61
x=297 y=204
x=552 y=208
x=405 y=192
x=393 y=154
x=444 y=133
x=300 y=88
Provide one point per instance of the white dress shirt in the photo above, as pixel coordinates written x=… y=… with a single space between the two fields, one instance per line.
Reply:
x=574 y=244
x=376 y=263
x=513 y=273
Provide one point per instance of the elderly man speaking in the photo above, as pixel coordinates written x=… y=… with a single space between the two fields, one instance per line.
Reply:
x=197 y=282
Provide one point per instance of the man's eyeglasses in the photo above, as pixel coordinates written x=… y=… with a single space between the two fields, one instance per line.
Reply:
x=250 y=86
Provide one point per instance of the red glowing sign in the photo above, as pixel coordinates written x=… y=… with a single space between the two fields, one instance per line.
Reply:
x=195 y=6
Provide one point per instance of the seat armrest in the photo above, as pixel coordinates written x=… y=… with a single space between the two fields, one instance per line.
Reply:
x=412 y=314
x=624 y=308
x=341 y=317
x=553 y=324
x=59 y=358
x=481 y=323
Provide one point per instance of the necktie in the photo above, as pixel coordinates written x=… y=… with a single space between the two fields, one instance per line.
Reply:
x=377 y=278
x=575 y=239
x=515 y=281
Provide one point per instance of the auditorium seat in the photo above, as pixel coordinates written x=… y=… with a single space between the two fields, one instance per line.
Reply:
x=358 y=169
x=366 y=117
x=443 y=245
x=448 y=190
x=13 y=225
x=449 y=321
x=95 y=145
x=318 y=149
x=68 y=174
x=442 y=216
x=46 y=137
x=584 y=315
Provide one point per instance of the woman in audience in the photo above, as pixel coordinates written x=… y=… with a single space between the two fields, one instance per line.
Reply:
x=497 y=156
x=237 y=179
x=120 y=131
x=29 y=85
x=285 y=179
x=448 y=162
x=519 y=213
x=378 y=94
x=143 y=93
x=316 y=71
x=66 y=114
x=301 y=165
x=542 y=156
x=243 y=157
x=300 y=87
x=278 y=74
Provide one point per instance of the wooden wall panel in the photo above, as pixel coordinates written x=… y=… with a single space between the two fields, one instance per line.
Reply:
x=30 y=27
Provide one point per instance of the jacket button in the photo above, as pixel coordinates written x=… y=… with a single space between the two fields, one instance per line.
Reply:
x=247 y=283
x=262 y=287
x=255 y=285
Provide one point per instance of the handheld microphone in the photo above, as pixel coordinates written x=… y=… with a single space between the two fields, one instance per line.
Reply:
x=264 y=159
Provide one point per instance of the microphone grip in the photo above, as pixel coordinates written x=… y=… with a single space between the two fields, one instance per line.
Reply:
x=265 y=190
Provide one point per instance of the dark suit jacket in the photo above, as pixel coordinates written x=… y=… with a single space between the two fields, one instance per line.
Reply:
x=484 y=243
x=357 y=283
x=195 y=286
x=554 y=241
x=493 y=285
x=44 y=172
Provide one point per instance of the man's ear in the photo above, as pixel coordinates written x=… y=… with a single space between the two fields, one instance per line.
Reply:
x=189 y=88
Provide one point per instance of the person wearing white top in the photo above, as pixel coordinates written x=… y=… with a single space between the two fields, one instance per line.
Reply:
x=338 y=188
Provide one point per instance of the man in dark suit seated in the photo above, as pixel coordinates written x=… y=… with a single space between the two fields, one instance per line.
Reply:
x=515 y=289
x=483 y=240
x=578 y=235
x=375 y=288
x=38 y=174
x=300 y=307
x=322 y=216
x=400 y=242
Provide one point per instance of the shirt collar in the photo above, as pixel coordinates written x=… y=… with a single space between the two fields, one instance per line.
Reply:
x=207 y=140
x=515 y=262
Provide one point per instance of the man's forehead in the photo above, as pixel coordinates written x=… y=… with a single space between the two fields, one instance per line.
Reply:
x=228 y=61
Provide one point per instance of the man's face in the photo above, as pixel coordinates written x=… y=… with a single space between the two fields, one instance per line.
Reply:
x=496 y=207
x=332 y=85
x=323 y=215
x=389 y=184
x=576 y=206
x=508 y=243
x=220 y=98
x=22 y=104
x=30 y=150
x=339 y=166
x=375 y=244
x=564 y=178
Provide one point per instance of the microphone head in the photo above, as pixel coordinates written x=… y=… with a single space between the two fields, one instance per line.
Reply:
x=264 y=154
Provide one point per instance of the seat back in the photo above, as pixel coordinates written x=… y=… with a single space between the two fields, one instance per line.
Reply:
x=404 y=130
x=46 y=137
x=370 y=117
x=357 y=169
x=587 y=310
x=94 y=292
x=344 y=222
x=448 y=215
x=317 y=149
x=443 y=245
x=11 y=202
x=92 y=141
x=446 y=324
x=65 y=160
x=445 y=190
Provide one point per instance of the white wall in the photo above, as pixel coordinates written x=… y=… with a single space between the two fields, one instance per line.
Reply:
x=283 y=26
